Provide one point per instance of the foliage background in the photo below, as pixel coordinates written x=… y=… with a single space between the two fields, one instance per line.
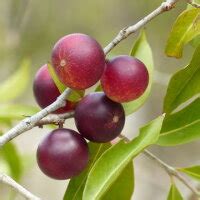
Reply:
x=29 y=28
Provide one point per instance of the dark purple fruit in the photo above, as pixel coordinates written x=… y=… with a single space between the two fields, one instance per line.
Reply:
x=62 y=154
x=125 y=79
x=46 y=92
x=98 y=118
x=79 y=60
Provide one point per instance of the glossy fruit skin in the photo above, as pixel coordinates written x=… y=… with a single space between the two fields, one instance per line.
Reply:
x=46 y=92
x=79 y=61
x=62 y=154
x=125 y=79
x=98 y=118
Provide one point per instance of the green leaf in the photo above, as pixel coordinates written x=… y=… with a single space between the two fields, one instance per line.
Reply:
x=123 y=187
x=76 y=95
x=61 y=87
x=184 y=84
x=142 y=51
x=181 y=127
x=186 y=27
x=174 y=194
x=98 y=88
x=195 y=42
x=5 y=122
x=77 y=184
x=109 y=166
x=11 y=156
x=15 y=85
x=193 y=172
x=191 y=6
x=16 y=111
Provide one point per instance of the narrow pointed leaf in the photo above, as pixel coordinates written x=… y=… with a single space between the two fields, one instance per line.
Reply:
x=61 y=87
x=181 y=127
x=122 y=187
x=142 y=51
x=184 y=84
x=186 y=27
x=16 y=111
x=76 y=185
x=109 y=166
x=193 y=172
x=174 y=194
x=15 y=85
x=11 y=156
x=76 y=95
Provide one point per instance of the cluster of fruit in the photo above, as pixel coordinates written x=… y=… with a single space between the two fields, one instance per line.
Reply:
x=79 y=63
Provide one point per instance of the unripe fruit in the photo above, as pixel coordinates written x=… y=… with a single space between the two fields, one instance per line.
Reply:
x=125 y=79
x=78 y=60
x=98 y=118
x=46 y=92
x=62 y=154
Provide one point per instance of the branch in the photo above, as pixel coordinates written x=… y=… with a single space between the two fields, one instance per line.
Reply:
x=18 y=188
x=125 y=32
x=191 y=2
x=55 y=119
x=39 y=118
x=29 y=123
x=172 y=172
x=32 y=121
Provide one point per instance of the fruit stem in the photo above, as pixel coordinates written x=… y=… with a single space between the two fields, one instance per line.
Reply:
x=18 y=188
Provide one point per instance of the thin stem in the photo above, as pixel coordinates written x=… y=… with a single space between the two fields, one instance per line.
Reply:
x=30 y=122
x=171 y=171
x=55 y=119
x=125 y=32
x=18 y=188
x=191 y=2
x=39 y=118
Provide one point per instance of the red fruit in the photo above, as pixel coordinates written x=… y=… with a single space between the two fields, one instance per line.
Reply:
x=78 y=60
x=125 y=79
x=62 y=154
x=46 y=92
x=98 y=118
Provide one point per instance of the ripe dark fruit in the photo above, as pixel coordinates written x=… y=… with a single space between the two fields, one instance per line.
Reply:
x=78 y=60
x=46 y=92
x=125 y=79
x=98 y=118
x=62 y=154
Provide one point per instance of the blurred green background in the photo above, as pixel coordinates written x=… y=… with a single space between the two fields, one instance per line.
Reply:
x=30 y=28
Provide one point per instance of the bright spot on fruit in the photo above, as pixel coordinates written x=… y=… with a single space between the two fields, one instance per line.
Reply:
x=63 y=63
x=115 y=119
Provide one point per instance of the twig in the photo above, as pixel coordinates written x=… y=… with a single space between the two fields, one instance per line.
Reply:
x=55 y=119
x=191 y=2
x=39 y=120
x=30 y=122
x=18 y=188
x=172 y=172
x=125 y=32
